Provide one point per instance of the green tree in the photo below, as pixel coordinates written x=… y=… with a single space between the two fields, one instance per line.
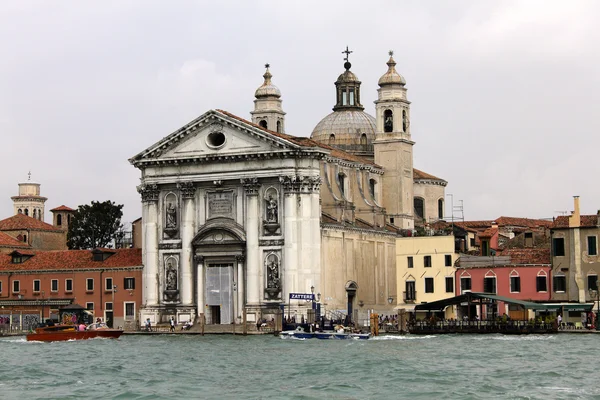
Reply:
x=95 y=225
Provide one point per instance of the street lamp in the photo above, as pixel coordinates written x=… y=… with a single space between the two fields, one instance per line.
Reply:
x=390 y=299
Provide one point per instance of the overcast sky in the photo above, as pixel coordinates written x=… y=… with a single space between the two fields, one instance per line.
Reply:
x=505 y=94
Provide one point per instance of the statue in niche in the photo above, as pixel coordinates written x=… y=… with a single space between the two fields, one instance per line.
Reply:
x=271 y=209
x=273 y=274
x=171 y=277
x=171 y=216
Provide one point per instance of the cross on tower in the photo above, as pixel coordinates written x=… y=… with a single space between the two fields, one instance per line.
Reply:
x=347 y=53
x=391 y=52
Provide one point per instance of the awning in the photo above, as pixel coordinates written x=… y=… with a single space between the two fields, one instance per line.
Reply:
x=39 y=302
x=476 y=298
x=583 y=307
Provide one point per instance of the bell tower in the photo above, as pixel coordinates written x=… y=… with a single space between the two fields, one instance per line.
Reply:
x=29 y=201
x=393 y=146
x=267 y=106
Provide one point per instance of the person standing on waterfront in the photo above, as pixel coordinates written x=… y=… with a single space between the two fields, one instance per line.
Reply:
x=559 y=320
x=172 y=322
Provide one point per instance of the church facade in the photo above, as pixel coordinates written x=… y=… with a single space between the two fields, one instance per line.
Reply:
x=237 y=215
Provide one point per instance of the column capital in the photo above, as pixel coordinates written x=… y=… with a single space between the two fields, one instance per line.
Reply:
x=240 y=258
x=188 y=189
x=149 y=193
x=199 y=259
x=300 y=183
x=251 y=185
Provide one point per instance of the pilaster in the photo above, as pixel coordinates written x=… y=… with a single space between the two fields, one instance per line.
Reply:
x=188 y=192
x=150 y=236
x=253 y=286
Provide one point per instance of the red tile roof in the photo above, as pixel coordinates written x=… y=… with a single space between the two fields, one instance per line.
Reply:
x=304 y=141
x=418 y=174
x=9 y=241
x=523 y=222
x=62 y=208
x=535 y=256
x=488 y=233
x=587 y=221
x=72 y=260
x=22 y=221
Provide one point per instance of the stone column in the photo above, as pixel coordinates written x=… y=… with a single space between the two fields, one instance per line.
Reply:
x=188 y=192
x=241 y=282
x=251 y=186
x=289 y=265
x=150 y=247
x=315 y=231
x=199 y=260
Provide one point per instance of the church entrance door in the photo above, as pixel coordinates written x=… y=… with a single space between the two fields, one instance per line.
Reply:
x=219 y=293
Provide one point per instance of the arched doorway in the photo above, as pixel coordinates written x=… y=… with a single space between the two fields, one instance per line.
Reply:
x=351 y=288
x=219 y=249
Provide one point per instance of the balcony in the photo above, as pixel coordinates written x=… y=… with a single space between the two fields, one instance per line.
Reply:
x=410 y=296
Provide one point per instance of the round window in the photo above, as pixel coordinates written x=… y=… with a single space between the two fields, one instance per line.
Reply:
x=216 y=139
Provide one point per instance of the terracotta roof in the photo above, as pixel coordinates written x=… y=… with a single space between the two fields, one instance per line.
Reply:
x=22 y=221
x=72 y=260
x=524 y=222
x=474 y=224
x=62 y=208
x=304 y=141
x=488 y=233
x=9 y=241
x=418 y=174
x=587 y=221
x=527 y=256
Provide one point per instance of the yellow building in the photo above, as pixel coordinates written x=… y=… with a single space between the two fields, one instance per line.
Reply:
x=424 y=271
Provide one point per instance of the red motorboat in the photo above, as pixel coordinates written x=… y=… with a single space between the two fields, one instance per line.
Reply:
x=54 y=333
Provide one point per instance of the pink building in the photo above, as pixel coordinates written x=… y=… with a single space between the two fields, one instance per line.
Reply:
x=522 y=274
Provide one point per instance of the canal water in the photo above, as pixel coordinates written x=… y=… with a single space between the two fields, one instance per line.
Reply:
x=559 y=366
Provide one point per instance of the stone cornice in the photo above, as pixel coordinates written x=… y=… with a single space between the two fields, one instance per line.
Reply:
x=352 y=164
x=430 y=181
x=337 y=227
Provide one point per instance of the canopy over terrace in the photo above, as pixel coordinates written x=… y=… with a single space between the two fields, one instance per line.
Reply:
x=486 y=298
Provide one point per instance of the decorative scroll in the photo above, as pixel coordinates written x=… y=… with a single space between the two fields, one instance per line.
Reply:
x=251 y=185
x=149 y=192
x=188 y=190
x=300 y=184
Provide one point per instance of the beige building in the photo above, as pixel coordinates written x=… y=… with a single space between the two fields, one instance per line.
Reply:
x=425 y=271
x=575 y=258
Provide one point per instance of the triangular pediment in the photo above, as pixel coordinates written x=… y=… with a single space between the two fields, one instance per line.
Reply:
x=216 y=134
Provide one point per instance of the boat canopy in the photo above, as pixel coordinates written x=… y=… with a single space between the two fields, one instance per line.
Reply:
x=483 y=298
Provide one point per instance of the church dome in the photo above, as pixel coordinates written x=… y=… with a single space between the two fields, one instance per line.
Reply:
x=267 y=88
x=391 y=77
x=346 y=129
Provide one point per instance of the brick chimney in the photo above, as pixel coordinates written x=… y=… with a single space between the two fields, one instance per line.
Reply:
x=575 y=217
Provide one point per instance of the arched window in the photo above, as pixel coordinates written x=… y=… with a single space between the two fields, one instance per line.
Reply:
x=419 y=208
x=331 y=138
x=363 y=139
x=263 y=123
x=441 y=208
x=27 y=211
x=388 y=121
x=34 y=213
x=404 y=121
x=342 y=182
x=59 y=220
x=20 y=211
x=351 y=96
x=372 y=184
x=278 y=126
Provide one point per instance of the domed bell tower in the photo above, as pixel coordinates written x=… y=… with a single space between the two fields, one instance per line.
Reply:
x=393 y=146
x=267 y=106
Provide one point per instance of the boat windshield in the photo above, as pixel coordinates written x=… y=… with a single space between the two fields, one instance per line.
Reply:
x=97 y=326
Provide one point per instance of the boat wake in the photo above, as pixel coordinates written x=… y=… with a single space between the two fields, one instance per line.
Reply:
x=404 y=337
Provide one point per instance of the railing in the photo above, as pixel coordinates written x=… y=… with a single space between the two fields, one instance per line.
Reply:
x=410 y=296
x=428 y=327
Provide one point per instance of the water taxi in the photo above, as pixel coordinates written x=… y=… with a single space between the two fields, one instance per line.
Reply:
x=62 y=332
